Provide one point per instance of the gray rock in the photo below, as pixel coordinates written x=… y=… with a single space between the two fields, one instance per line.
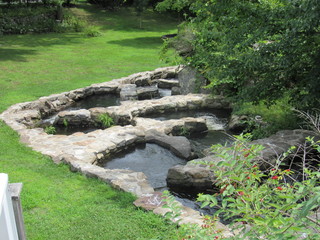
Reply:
x=194 y=175
x=191 y=81
x=178 y=145
x=147 y=92
x=279 y=143
x=128 y=92
x=144 y=80
x=237 y=124
x=168 y=83
x=150 y=202
x=175 y=91
x=80 y=117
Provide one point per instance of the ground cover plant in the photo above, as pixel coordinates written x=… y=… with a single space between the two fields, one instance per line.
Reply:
x=59 y=204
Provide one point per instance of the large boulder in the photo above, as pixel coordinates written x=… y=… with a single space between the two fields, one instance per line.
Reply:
x=194 y=175
x=191 y=81
x=178 y=145
x=147 y=92
x=79 y=118
x=279 y=143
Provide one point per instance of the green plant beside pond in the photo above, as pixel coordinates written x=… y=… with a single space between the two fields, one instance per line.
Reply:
x=272 y=204
x=50 y=130
x=106 y=120
x=276 y=117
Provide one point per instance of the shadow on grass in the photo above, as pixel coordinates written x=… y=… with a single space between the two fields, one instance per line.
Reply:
x=18 y=55
x=142 y=42
x=126 y=19
x=41 y=40
x=10 y=47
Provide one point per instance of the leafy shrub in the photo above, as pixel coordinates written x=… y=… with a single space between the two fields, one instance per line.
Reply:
x=20 y=20
x=39 y=19
x=50 y=130
x=262 y=205
x=106 y=120
x=274 y=118
x=70 y=23
x=92 y=31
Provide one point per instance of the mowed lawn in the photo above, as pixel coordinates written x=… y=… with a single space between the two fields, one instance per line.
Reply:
x=57 y=203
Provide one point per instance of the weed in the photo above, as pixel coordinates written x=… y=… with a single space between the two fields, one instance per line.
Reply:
x=184 y=131
x=106 y=120
x=50 y=130
x=92 y=31
x=65 y=123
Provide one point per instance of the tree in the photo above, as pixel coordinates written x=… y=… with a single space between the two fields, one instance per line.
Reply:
x=256 y=50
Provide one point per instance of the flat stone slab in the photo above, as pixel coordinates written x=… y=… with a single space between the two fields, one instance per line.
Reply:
x=150 y=202
x=179 y=145
x=168 y=83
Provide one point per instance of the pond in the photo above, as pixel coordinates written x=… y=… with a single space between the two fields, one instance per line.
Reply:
x=151 y=159
x=97 y=100
x=217 y=115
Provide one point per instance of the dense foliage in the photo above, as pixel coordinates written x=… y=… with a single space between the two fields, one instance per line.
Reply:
x=279 y=203
x=256 y=49
x=19 y=20
x=49 y=16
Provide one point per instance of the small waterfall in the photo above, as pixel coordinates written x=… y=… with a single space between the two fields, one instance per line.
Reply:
x=49 y=121
x=213 y=122
x=164 y=92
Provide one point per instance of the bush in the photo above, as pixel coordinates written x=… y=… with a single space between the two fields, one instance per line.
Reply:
x=20 y=20
x=261 y=205
x=50 y=130
x=70 y=23
x=106 y=120
x=92 y=31
x=278 y=203
x=40 y=19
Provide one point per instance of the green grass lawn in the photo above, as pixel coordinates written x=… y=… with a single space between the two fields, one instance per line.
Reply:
x=59 y=204
x=37 y=65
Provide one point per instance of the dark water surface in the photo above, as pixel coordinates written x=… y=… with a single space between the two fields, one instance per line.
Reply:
x=97 y=100
x=151 y=159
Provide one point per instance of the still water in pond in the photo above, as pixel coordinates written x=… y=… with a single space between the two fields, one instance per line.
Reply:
x=62 y=130
x=97 y=100
x=151 y=159
x=163 y=92
x=220 y=114
x=202 y=142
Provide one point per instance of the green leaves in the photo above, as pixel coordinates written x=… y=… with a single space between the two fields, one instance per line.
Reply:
x=309 y=205
x=257 y=50
x=207 y=200
x=106 y=120
x=271 y=206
